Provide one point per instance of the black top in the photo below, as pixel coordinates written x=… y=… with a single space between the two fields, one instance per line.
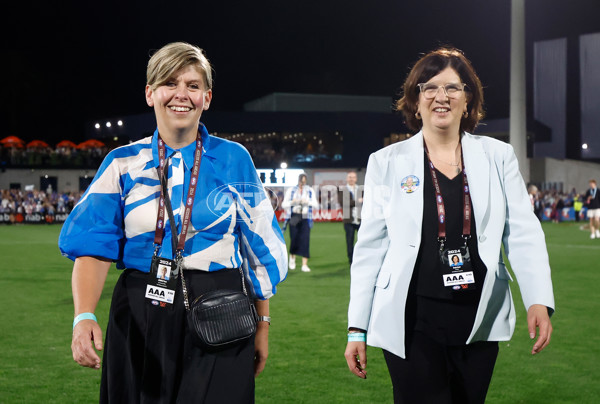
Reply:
x=445 y=315
x=595 y=200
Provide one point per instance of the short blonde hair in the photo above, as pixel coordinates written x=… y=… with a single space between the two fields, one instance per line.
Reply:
x=174 y=57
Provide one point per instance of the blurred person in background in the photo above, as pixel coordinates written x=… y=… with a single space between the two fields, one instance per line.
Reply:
x=350 y=197
x=149 y=353
x=439 y=325
x=299 y=202
x=536 y=203
x=577 y=206
x=558 y=208
x=592 y=199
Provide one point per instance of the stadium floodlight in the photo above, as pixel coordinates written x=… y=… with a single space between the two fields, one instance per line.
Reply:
x=108 y=124
x=584 y=146
x=283 y=165
x=97 y=125
x=120 y=122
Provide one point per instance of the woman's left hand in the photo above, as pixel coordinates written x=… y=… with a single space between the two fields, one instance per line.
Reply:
x=537 y=318
x=261 y=347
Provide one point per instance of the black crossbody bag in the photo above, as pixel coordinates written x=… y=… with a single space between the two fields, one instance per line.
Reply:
x=218 y=318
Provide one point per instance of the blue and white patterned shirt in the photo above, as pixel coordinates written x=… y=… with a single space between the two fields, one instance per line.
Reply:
x=305 y=207
x=116 y=217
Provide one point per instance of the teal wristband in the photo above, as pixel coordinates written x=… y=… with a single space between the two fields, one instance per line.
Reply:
x=357 y=336
x=84 y=316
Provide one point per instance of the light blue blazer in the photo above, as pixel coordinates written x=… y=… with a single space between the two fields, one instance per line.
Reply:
x=390 y=234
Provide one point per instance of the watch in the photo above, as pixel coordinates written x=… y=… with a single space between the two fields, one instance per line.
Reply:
x=265 y=318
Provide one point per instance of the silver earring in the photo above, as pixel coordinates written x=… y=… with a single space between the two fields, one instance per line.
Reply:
x=466 y=114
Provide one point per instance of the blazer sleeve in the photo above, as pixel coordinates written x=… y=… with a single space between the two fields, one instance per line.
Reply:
x=524 y=240
x=371 y=247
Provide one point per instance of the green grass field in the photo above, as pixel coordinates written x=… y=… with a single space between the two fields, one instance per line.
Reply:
x=308 y=332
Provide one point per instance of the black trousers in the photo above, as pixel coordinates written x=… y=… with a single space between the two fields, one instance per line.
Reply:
x=300 y=239
x=433 y=373
x=350 y=229
x=149 y=356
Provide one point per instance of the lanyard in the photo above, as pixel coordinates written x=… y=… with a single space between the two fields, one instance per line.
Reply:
x=189 y=201
x=441 y=211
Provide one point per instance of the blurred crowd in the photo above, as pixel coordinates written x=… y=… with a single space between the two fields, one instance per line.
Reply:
x=555 y=201
x=60 y=157
x=49 y=202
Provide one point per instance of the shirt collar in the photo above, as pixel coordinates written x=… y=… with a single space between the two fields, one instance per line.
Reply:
x=188 y=151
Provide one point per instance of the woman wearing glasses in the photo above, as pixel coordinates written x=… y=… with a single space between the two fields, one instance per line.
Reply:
x=470 y=199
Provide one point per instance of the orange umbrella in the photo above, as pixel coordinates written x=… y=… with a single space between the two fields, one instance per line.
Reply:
x=37 y=143
x=66 y=143
x=90 y=144
x=12 y=141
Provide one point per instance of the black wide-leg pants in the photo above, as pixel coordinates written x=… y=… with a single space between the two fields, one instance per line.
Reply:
x=149 y=356
x=300 y=239
x=434 y=373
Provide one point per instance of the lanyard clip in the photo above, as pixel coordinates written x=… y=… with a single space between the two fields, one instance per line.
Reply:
x=156 y=248
x=178 y=263
x=466 y=237
x=178 y=256
x=442 y=241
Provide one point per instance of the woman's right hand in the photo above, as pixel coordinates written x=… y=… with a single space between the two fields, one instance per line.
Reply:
x=356 y=357
x=89 y=275
x=87 y=335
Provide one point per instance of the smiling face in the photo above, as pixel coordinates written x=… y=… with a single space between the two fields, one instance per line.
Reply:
x=179 y=103
x=441 y=113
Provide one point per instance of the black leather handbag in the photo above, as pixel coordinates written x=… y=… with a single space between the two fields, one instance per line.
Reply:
x=217 y=318
x=220 y=318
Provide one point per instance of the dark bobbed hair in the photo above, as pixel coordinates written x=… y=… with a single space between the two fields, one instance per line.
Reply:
x=431 y=65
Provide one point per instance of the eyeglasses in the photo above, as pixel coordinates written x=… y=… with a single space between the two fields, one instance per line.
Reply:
x=452 y=90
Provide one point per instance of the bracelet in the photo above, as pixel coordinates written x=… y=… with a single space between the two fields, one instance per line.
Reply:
x=357 y=336
x=265 y=318
x=84 y=316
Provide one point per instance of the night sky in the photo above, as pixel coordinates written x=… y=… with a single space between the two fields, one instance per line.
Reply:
x=66 y=65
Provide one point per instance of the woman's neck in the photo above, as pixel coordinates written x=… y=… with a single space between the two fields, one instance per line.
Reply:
x=177 y=139
x=441 y=141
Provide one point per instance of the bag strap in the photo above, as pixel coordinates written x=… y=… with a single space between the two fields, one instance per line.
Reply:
x=186 y=300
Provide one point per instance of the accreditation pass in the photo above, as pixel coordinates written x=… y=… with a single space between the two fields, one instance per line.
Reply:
x=458 y=278
x=161 y=294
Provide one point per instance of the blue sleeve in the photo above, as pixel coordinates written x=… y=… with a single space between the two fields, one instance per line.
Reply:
x=262 y=243
x=95 y=226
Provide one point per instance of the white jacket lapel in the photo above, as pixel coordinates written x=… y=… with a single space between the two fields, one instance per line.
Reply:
x=478 y=173
x=411 y=162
